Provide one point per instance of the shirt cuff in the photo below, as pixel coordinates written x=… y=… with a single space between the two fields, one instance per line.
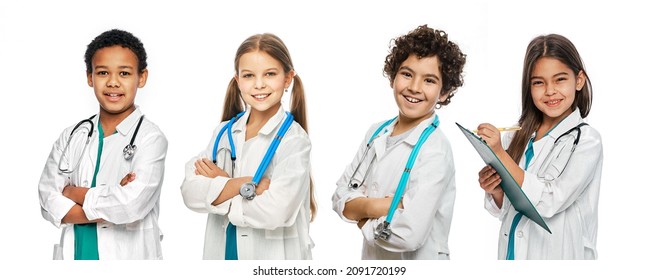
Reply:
x=490 y=205
x=87 y=204
x=217 y=184
x=340 y=205
x=368 y=230
x=236 y=215
x=58 y=210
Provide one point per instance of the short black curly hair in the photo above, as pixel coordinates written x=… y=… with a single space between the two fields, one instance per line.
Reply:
x=427 y=42
x=116 y=37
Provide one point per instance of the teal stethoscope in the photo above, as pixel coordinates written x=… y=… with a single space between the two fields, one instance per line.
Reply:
x=248 y=190
x=128 y=151
x=383 y=230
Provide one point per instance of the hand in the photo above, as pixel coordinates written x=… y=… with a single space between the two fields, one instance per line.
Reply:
x=491 y=135
x=206 y=167
x=490 y=180
x=361 y=223
x=127 y=179
x=263 y=185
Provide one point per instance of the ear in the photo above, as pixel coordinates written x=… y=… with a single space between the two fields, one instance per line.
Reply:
x=143 y=77
x=443 y=96
x=90 y=82
x=289 y=76
x=580 y=80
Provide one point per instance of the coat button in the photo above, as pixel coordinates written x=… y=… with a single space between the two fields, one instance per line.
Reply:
x=519 y=234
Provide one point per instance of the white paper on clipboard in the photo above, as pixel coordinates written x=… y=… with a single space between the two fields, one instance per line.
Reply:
x=512 y=190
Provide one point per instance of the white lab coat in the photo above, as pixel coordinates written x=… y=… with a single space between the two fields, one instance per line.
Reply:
x=420 y=230
x=130 y=213
x=568 y=204
x=275 y=224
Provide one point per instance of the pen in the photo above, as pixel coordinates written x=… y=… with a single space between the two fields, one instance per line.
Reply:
x=512 y=128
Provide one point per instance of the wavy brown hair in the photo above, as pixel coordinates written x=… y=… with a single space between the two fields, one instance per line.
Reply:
x=427 y=42
x=273 y=46
x=560 y=48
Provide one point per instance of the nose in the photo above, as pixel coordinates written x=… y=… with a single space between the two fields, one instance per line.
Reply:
x=259 y=83
x=113 y=81
x=415 y=85
x=552 y=89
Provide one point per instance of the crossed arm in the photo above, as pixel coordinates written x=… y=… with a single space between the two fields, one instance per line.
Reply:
x=76 y=215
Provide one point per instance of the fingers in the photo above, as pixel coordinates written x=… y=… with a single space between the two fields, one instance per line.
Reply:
x=207 y=162
x=486 y=129
x=127 y=179
x=201 y=168
x=489 y=179
x=263 y=185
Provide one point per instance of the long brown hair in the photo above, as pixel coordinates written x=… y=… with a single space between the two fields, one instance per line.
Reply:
x=273 y=46
x=560 y=48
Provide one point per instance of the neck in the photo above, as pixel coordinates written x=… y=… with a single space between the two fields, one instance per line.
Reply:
x=548 y=124
x=110 y=121
x=405 y=123
x=257 y=119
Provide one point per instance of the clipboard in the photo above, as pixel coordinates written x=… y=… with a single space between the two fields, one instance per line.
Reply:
x=511 y=189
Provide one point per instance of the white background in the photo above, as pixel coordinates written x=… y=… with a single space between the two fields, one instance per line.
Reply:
x=338 y=48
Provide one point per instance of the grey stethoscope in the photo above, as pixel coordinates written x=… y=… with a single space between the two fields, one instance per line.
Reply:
x=128 y=151
x=556 y=162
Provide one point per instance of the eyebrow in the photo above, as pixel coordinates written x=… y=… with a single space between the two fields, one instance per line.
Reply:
x=266 y=70
x=412 y=71
x=558 y=74
x=107 y=67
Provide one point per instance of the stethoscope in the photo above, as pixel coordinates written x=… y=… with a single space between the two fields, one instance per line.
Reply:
x=248 y=190
x=128 y=151
x=555 y=164
x=555 y=160
x=383 y=229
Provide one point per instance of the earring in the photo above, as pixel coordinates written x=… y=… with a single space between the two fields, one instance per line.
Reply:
x=286 y=90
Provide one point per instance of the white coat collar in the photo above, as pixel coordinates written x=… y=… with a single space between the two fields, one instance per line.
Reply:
x=128 y=123
x=567 y=123
x=272 y=123
x=411 y=139
x=125 y=125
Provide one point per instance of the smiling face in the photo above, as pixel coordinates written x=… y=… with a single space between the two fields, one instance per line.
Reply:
x=115 y=79
x=262 y=80
x=553 y=86
x=417 y=88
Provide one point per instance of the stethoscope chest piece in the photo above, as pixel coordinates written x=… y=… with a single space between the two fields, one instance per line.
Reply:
x=129 y=151
x=383 y=231
x=248 y=190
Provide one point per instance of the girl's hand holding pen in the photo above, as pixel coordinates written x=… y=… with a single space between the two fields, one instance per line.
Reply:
x=491 y=135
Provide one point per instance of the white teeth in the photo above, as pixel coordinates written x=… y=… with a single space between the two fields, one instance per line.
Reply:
x=411 y=99
x=261 y=96
x=553 y=102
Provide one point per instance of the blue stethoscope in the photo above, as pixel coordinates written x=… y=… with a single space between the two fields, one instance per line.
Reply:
x=128 y=151
x=248 y=190
x=383 y=230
